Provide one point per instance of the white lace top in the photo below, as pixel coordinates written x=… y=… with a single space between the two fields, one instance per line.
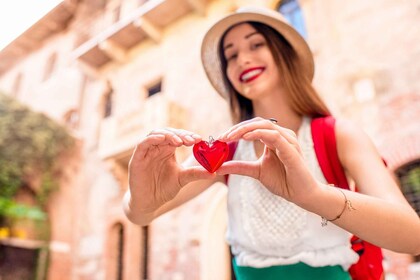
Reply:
x=266 y=230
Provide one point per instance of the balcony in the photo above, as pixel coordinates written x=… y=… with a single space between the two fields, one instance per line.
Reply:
x=146 y=22
x=120 y=134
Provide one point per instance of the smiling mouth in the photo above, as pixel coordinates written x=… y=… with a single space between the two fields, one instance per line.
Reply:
x=250 y=74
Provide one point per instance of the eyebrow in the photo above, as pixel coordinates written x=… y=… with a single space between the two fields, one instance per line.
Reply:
x=246 y=37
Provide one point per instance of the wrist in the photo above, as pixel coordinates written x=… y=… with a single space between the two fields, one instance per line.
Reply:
x=327 y=201
x=346 y=206
x=135 y=213
x=138 y=203
x=312 y=198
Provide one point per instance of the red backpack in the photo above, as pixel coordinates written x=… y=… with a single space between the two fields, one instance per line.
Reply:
x=369 y=266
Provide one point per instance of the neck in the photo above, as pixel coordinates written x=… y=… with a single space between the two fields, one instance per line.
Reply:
x=275 y=106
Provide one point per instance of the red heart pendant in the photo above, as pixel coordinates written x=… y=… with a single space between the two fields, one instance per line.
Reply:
x=211 y=155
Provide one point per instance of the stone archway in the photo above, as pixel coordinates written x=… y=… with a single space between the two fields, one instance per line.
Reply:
x=399 y=131
x=399 y=135
x=400 y=152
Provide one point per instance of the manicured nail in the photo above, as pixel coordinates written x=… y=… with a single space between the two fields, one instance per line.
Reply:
x=189 y=138
x=230 y=135
x=222 y=136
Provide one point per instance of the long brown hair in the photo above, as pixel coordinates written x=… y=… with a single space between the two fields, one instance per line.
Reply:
x=303 y=98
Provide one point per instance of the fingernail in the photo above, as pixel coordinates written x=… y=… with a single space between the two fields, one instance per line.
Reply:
x=222 y=136
x=189 y=138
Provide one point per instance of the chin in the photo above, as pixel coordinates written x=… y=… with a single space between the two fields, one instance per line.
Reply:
x=254 y=93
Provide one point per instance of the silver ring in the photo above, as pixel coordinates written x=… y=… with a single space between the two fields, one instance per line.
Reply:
x=273 y=120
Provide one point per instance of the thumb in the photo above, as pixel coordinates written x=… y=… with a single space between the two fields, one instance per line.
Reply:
x=245 y=168
x=194 y=173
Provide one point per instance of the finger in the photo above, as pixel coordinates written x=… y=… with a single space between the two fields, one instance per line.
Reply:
x=223 y=136
x=194 y=173
x=259 y=123
x=288 y=134
x=148 y=142
x=169 y=135
x=189 y=138
x=245 y=168
x=153 y=143
x=287 y=153
x=273 y=139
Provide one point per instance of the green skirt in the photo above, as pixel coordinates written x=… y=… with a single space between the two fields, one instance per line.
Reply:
x=299 y=271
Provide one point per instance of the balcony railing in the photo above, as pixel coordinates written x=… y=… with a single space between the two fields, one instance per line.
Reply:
x=120 y=134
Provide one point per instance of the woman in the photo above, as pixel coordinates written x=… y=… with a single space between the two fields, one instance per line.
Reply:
x=278 y=196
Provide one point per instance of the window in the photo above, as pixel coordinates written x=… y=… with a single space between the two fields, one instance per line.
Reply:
x=120 y=256
x=108 y=101
x=409 y=177
x=49 y=67
x=116 y=250
x=18 y=262
x=154 y=89
x=145 y=251
x=290 y=9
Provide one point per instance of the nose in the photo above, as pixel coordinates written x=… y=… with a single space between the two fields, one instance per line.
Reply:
x=244 y=58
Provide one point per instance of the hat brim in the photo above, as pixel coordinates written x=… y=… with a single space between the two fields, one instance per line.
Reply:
x=210 y=44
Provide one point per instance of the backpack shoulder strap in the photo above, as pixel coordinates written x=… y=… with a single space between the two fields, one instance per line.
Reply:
x=325 y=146
x=232 y=149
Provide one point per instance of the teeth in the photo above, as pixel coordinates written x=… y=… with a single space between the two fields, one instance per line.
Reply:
x=250 y=74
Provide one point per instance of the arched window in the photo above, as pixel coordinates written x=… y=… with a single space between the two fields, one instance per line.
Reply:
x=290 y=9
x=409 y=177
x=116 y=251
x=145 y=252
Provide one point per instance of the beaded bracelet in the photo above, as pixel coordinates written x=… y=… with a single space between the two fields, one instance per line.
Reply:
x=347 y=204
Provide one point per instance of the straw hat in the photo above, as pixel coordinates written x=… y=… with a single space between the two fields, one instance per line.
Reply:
x=210 y=45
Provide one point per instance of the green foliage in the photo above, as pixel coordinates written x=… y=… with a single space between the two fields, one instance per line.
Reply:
x=411 y=180
x=30 y=147
x=14 y=210
x=10 y=179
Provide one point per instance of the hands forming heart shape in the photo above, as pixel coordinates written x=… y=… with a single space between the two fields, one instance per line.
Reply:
x=212 y=154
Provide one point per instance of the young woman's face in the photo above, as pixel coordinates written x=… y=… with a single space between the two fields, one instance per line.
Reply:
x=250 y=64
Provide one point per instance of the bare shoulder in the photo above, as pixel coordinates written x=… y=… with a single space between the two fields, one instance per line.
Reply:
x=348 y=130
x=351 y=136
x=363 y=162
x=354 y=146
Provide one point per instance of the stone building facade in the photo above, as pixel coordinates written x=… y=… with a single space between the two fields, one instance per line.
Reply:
x=113 y=70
